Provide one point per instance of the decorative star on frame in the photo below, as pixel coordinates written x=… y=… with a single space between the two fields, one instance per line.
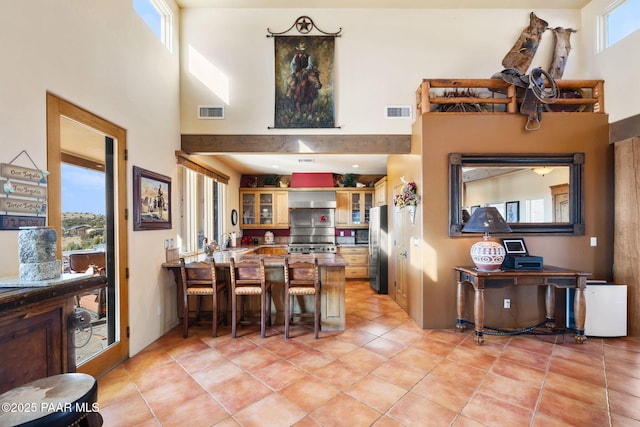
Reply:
x=304 y=25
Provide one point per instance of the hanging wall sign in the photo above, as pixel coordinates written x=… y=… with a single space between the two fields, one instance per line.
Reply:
x=304 y=75
x=23 y=195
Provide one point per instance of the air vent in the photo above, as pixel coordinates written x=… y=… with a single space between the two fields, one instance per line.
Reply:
x=305 y=160
x=210 y=112
x=398 y=112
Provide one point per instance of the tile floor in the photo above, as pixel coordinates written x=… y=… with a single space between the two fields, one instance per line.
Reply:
x=383 y=371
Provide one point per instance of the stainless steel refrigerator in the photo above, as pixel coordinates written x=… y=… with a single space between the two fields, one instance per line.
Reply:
x=378 y=250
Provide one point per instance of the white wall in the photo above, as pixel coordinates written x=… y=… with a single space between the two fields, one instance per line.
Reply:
x=617 y=65
x=381 y=59
x=100 y=56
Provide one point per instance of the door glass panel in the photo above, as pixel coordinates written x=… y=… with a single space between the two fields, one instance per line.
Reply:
x=88 y=230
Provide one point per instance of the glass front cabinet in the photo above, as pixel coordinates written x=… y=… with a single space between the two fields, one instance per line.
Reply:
x=264 y=209
x=353 y=208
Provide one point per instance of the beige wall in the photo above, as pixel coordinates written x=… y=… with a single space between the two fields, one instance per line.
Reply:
x=486 y=133
x=103 y=58
x=617 y=65
x=381 y=58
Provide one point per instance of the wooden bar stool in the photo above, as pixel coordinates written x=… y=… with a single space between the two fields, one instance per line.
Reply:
x=56 y=401
x=248 y=278
x=301 y=278
x=199 y=282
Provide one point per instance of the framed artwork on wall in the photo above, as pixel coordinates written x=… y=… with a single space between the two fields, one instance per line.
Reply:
x=513 y=211
x=151 y=200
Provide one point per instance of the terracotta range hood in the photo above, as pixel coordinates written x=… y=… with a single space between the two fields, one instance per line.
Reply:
x=311 y=180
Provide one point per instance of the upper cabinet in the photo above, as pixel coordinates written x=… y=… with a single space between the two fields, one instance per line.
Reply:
x=352 y=210
x=264 y=209
x=381 y=192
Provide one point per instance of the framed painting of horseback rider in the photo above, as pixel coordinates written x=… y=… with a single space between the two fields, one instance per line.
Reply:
x=304 y=92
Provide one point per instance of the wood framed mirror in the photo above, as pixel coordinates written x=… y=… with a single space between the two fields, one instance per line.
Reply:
x=535 y=193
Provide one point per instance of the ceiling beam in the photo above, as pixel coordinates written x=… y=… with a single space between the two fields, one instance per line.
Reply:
x=317 y=144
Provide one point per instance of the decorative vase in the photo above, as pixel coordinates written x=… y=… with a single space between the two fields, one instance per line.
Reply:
x=487 y=255
x=412 y=213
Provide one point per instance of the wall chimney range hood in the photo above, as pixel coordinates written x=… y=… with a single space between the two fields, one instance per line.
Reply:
x=312 y=199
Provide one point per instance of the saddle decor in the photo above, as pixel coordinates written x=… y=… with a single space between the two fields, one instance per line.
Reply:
x=302 y=64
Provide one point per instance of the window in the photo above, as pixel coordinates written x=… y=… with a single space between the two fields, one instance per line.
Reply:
x=620 y=19
x=157 y=15
x=201 y=206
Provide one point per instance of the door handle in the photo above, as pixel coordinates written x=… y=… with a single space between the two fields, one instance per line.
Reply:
x=404 y=254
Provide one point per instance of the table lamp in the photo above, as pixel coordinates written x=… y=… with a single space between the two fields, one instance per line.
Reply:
x=487 y=255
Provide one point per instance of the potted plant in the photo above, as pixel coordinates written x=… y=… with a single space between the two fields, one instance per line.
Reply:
x=349 y=180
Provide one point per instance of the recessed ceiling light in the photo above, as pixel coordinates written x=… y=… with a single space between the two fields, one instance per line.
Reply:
x=355 y=166
x=275 y=166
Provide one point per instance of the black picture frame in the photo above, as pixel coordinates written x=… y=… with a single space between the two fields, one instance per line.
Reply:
x=515 y=246
x=151 y=200
x=513 y=211
x=234 y=217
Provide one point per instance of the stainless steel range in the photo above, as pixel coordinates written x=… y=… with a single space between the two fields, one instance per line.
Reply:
x=312 y=222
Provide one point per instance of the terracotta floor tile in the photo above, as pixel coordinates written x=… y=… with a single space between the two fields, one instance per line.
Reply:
x=420 y=359
x=240 y=392
x=433 y=346
x=340 y=374
x=357 y=336
x=334 y=346
x=255 y=359
x=194 y=362
x=525 y=357
x=625 y=404
x=385 y=347
x=128 y=412
x=399 y=373
x=345 y=411
x=512 y=391
x=309 y=392
x=383 y=370
x=593 y=374
x=274 y=410
x=516 y=371
x=172 y=393
x=201 y=411
x=575 y=389
x=279 y=374
x=287 y=348
x=159 y=375
x=463 y=374
x=414 y=410
x=444 y=391
x=217 y=374
x=623 y=383
x=501 y=414
x=364 y=359
x=571 y=411
x=311 y=359
x=375 y=392
x=532 y=344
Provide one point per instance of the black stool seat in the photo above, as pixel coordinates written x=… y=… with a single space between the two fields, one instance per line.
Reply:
x=57 y=401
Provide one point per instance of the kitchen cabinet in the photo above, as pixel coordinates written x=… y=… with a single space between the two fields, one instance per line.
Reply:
x=264 y=209
x=381 y=192
x=358 y=259
x=352 y=208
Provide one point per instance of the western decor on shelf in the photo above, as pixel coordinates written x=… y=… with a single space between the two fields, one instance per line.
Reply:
x=407 y=198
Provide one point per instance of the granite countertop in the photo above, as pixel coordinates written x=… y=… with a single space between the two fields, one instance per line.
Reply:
x=222 y=258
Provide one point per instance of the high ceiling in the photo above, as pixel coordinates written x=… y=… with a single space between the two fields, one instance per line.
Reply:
x=285 y=164
x=383 y=4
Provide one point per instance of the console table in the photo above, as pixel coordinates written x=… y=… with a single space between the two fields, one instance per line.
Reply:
x=551 y=277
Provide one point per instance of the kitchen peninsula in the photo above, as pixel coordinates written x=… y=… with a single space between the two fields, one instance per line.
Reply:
x=332 y=279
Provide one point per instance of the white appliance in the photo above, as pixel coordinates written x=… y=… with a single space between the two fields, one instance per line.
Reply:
x=606 y=307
